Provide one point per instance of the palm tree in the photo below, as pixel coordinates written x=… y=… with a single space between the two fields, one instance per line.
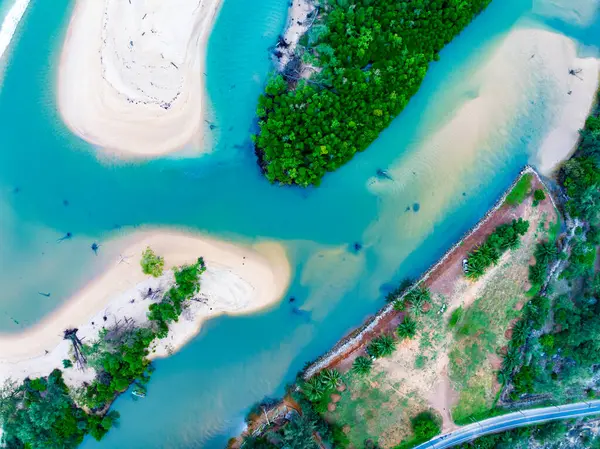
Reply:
x=407 y=329
x=537 y=273
x=362 y=365
x=418 y=296
x=330 y=378
x=313 y=389
x=382 y=346
x=545 y=252
x=475 y=267
x=399 y=305
x=489 y=254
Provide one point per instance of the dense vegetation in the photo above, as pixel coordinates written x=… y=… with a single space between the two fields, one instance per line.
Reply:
x=506 y=236
x=41 y=413
x=552 y=434
x=555 y=349
x=580 y=175
x=373 y=56
x=425 y=426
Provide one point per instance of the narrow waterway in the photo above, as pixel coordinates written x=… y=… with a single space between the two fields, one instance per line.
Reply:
x=450 y=154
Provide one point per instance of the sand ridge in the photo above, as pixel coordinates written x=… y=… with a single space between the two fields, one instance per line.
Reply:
x=238 y=280
x=130 y=78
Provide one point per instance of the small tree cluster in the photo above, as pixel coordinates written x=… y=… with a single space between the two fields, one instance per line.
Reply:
x=151 y=263
x=505 y=237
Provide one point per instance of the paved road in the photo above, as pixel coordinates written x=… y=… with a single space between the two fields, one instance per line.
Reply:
x=510 y=421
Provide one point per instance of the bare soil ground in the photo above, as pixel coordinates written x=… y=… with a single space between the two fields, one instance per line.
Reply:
x=453 y=371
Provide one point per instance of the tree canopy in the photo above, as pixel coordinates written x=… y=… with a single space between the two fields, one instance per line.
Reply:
x=372 y=57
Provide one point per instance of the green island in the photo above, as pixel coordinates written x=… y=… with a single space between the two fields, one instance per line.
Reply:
x=368 y=58
x=515 y=328
x=45 y=413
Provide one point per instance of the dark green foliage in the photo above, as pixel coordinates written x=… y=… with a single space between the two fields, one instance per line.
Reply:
x=299 y=434
x=52 y=420
x=321 y=384
x=67 y=363
x=538 y=197
x=520 y=191
x=398 y=291
x=417 y=297
x=407 y=329
x=187 y=284
x=382 y=346
x=258 y=443
x=362 y=365
x=506 y=236
x=426 y=425
x=455 y=317
x=581 y=260
x=580 y=175
x=330 y=378
x=374 y=56
x=40 y=413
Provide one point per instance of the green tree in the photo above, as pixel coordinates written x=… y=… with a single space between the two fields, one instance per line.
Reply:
x=407 y=328
x=299 y=434
x=382 y=346
x=362 y=365
x=151 y=263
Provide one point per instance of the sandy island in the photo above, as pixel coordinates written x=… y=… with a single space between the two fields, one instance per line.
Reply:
x=130 y=76
x=238 y=280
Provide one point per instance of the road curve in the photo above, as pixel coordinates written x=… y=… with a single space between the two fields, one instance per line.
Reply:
x=510 y=421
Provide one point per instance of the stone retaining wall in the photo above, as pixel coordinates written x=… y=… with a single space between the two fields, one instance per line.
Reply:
x=355 y=339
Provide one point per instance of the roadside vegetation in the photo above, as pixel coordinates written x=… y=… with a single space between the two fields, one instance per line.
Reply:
x=555 y=356
x=367 y=58
x=45 y=413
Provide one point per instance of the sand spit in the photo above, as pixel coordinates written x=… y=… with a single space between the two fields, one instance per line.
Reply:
x=238 y=280
x=130 y=76
x=298 y=23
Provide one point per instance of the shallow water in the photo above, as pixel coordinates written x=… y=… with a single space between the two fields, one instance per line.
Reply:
x=52 y=183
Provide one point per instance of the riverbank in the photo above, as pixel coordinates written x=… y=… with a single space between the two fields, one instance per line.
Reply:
x=130 y=78
x=238 y=280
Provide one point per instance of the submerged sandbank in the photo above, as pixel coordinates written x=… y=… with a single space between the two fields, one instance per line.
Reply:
x=238 y=280
x=130 y=78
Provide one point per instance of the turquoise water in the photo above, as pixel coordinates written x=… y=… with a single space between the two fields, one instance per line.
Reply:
x=52 y=183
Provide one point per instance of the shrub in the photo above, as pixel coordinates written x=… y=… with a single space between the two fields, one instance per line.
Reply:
x=455 y=317
x=425 y=426
x=67 y=363
x=151 y=263
x=538 y=196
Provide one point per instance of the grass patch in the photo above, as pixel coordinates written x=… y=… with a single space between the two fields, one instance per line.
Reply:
x=420 y=361
x=455 y=317
x=520 y=191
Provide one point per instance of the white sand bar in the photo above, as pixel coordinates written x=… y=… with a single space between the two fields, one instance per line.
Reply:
x=238 y=280
x=130 y=78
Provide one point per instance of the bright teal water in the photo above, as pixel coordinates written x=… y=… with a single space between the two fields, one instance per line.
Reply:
x=197 y=398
